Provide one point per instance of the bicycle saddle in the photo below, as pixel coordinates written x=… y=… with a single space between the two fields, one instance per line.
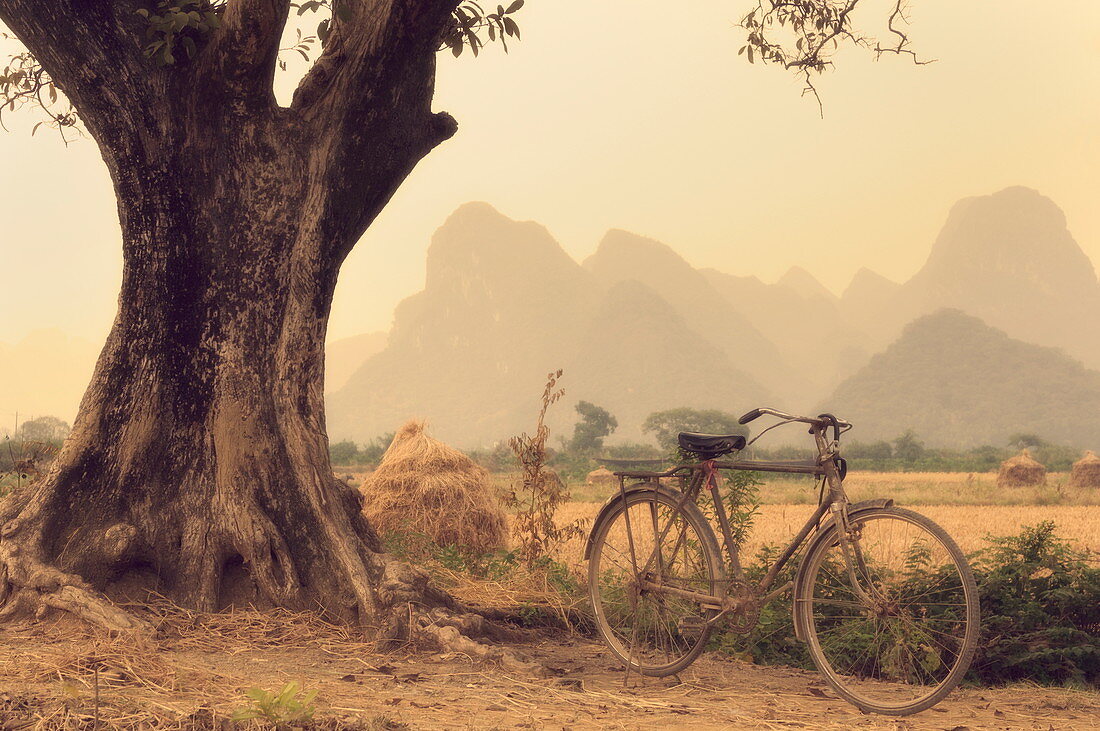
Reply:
x=710 y=446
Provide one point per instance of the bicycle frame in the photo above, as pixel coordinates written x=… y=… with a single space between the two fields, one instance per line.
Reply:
x=705 y=475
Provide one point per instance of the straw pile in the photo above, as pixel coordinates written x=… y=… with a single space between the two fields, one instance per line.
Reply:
x=1021 y=471
x=1086 y=471
x=427 y=487
x=602 y=476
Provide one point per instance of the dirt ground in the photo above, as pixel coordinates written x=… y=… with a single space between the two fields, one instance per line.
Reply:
x=200 y=669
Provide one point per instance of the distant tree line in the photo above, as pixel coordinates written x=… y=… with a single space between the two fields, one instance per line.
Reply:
x=907 y=453
x=579 y=454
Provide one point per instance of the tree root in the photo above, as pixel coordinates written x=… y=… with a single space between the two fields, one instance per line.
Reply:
x=28 y=587
x=456 y=633
x=421 y=613
x=416 y=611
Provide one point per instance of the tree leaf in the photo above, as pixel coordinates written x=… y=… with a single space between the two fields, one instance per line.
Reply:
x=516 y=5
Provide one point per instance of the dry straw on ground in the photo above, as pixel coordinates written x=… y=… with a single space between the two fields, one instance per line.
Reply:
x=1086 y=471
x=1021 y=471
x=426 y=487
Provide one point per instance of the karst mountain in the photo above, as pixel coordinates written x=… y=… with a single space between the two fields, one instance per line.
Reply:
x=637 y=329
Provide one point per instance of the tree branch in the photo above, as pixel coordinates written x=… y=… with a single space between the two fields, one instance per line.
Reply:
x=85 y=46
x=368 y=104
x=244 y=50
x=372 y=43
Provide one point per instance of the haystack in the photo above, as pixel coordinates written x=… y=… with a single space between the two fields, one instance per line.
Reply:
x=602 y=476
x=424 y=486
x=1021 y=471
x=1086 y=471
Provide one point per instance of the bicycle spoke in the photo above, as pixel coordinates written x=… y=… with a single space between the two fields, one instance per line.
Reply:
x=906 y=647
x=652 y=630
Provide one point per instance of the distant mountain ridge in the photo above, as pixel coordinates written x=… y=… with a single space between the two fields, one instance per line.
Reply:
x=1007 y=258
x=503 y=304
x=958 y=382
x=637 y=328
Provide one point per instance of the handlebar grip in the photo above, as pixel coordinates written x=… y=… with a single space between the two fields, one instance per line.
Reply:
x=749 y=416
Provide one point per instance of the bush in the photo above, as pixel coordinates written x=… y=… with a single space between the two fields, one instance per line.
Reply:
x=1041 y=610
x=1040 y=614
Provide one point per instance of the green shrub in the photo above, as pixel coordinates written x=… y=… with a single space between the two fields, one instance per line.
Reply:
x=1040 y=601
x=1041 y=610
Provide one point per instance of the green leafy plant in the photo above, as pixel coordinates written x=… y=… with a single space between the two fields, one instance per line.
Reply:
x=178 y=26
x=1040 y=598
x=1041 y=610
x=280 y=708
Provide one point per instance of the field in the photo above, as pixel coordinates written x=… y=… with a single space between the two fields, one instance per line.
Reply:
x=969 y=507
x=59 y=675
x=777 y=524
x=906 y=488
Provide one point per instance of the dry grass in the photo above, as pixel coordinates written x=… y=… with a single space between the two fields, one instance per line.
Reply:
x=428 y=487
x=66 y=675
x=907 y=488
x=777 y=524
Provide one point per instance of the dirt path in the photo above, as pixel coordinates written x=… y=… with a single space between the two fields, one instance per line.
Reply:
x=47 y=680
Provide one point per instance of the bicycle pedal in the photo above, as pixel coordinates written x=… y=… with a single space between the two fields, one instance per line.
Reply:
x=691 y=625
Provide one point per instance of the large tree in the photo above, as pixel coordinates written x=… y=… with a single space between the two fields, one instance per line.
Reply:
x=199 y=463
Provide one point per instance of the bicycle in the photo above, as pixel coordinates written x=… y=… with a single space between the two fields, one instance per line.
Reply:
x=883 y=597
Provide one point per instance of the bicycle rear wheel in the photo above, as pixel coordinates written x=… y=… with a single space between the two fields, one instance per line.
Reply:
x=897 y=633
x=667 y=544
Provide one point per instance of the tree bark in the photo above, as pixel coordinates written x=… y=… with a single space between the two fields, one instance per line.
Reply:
x=198 y=465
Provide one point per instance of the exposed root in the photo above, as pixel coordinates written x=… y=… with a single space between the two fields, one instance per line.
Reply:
x=419 y=612
x=28 y=587
x=453 y=634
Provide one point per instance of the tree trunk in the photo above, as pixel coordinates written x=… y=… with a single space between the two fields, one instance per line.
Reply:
x=199 y=461
x=198 y=465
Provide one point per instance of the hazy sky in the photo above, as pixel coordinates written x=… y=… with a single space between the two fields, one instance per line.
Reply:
x=640 y=115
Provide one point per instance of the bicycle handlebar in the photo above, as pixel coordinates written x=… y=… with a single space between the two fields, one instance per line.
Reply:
x=823 y=420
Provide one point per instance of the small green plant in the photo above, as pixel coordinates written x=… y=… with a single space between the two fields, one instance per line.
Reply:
x=282 y=708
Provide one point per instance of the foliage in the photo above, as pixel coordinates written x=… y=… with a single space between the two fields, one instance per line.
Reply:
x=281 y=708
x=1040 y=600
x=470 y=24
x=342 y=453
x=742 y=501
x=23 y=81
x=1041 y=610
x=666 y=425
x=470 y=20
x=633 y=450
x=179 y=25
x=907 y=447
x=44 y=429
x=810 y=32
x=499 y=458
x=909 y=454
x=348 y=452
x=542 y=491
x=595 y=424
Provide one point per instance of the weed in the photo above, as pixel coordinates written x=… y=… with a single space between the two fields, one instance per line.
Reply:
x=281 y=709
x=542 y=492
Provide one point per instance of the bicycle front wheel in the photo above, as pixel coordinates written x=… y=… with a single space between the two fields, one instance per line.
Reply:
x=644 y=549
x=894 y=626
